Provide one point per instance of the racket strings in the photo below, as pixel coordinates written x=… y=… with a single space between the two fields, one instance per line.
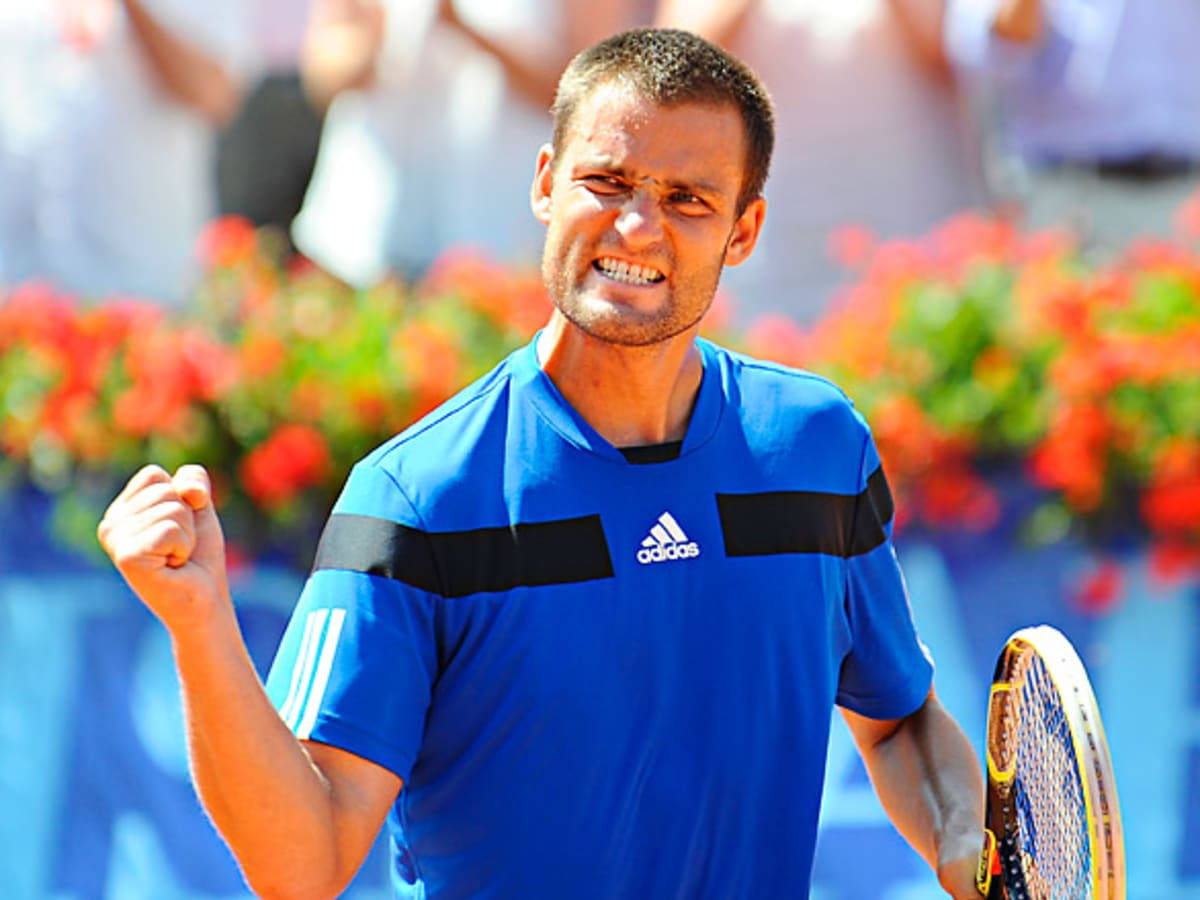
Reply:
x=1052 y=826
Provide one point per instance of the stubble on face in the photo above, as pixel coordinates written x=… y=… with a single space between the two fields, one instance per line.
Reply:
x=625 y=324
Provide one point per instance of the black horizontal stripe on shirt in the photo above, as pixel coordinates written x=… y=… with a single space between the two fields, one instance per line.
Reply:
x=806 y=521
x=458 y=563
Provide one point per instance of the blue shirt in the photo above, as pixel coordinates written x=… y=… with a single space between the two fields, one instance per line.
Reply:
x=1110 y=80
x=601 y=679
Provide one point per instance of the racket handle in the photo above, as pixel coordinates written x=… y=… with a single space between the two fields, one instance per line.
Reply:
x=987 y=876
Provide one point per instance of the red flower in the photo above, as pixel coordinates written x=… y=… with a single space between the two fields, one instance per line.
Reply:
x=851 y=246
x=262 y=354
x=777 y=338
x=1099 y=589
x=433 y=360
x=1046 y=244
x=1173 y=507
x=968 y=238
x=1172 y=562
x=238 y=563
x=958 y=498
x=1156 y=253
x=293 y=458
x=1171 y=503
x=1073 y=456
x=516 y=298
x=227 y=242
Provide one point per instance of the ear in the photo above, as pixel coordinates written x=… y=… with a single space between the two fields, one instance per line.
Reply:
x=745 y=232
x=543 y=185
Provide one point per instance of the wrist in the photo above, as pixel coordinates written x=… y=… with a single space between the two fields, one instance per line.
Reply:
x=958 y=839
x=206 y=618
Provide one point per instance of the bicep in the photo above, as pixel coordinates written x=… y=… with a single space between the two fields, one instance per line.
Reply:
x=361 y=793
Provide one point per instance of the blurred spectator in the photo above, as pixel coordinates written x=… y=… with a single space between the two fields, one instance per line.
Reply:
x=428 y=141
x=108 y=110
x=875 y=136
x=265 y=157
x=1088 y=110
x=436 y=112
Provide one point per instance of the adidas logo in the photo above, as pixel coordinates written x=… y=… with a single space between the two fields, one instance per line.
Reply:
x=666 y=541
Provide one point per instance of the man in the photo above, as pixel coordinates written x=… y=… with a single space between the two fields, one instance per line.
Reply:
x=1088 y=110
x=578 y=633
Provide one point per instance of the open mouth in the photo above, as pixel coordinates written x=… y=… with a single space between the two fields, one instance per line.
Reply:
x=627 y=273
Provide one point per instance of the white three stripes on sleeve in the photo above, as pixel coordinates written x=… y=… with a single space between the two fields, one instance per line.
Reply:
x=310 y=673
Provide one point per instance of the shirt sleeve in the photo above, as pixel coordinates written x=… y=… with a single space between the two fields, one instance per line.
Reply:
x=887 y=672
x=358 y=659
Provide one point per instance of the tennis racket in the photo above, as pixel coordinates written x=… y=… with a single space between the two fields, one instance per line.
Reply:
x=1053 y=823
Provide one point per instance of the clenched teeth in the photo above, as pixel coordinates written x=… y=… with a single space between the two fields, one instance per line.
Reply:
x=619 y=270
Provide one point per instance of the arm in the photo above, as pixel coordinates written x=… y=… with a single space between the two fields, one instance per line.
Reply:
x=921 y=23
x=342 y=41
x=534 y=71
x=188 y=74
x=929 y=782
x=1019 y=21
x=720 y=23
x=298 y=817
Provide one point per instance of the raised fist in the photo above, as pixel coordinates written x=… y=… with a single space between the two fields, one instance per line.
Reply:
x=165 y=539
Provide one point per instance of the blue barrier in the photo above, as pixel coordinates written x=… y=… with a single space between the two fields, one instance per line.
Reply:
x=96 y=801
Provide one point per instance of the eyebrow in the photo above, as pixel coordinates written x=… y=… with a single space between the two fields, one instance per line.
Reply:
x=701 y=187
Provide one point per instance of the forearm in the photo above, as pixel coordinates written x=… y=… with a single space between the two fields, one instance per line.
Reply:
x=921 y=23
x=930 y=784
x=186 y=73
x=255 y=779
x=528 y=74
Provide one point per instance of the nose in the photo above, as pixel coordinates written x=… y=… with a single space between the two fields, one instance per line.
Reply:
x=640 y=221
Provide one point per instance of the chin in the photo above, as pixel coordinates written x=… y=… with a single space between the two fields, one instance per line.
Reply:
x=621 y=328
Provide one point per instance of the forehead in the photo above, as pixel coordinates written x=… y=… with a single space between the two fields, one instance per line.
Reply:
x=616 y=124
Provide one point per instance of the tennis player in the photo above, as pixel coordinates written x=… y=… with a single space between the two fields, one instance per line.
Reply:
x=579 y=632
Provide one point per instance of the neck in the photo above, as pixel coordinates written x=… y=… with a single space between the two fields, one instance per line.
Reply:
x=630 y=395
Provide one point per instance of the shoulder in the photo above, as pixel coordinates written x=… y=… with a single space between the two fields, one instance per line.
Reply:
x=457 y=447
x=773 y=398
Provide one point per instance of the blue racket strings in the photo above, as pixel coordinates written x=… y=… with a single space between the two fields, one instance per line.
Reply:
x=1052 y=820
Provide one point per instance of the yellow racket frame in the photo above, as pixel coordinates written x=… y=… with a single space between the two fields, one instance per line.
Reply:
x=1089 y=745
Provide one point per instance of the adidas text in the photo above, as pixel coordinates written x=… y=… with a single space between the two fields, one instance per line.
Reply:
x=648 y=555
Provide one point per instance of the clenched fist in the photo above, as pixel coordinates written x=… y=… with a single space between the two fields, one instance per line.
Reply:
x=165 y=539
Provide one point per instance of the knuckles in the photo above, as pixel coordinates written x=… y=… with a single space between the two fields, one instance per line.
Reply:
x=150 y=520
x=129 y=534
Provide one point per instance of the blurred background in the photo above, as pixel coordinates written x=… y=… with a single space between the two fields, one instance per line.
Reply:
x=267 y=234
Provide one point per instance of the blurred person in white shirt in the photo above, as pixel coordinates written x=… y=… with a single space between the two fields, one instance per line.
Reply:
x=108 y=116
x=867 y=106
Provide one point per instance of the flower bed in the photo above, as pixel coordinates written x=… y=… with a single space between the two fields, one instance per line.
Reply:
x=971 y=345
x=977 y=344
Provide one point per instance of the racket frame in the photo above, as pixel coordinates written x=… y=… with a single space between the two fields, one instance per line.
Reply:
x=1001 y=877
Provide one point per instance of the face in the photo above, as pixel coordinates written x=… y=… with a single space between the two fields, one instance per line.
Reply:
x=641 y=214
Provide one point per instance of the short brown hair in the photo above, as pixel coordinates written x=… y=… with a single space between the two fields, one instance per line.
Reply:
x=669 y=67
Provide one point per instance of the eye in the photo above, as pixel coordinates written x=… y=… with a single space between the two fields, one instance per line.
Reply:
x=688 y=203
x=605 y=185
